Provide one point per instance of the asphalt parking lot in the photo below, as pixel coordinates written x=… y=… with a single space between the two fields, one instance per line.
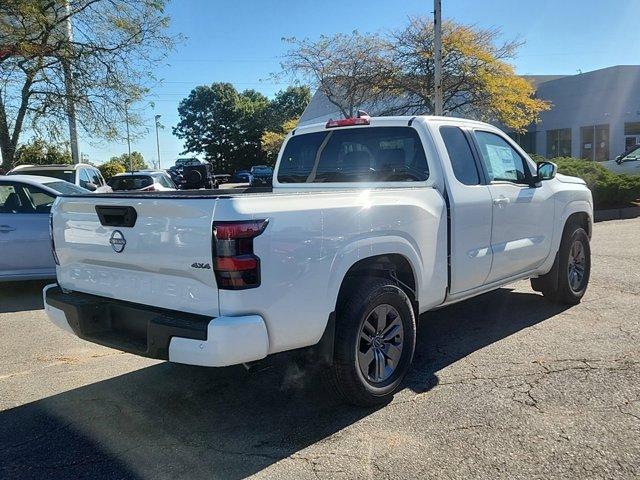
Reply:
x=503 y=386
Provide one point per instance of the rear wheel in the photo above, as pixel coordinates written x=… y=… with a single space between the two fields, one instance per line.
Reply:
x=374 y=343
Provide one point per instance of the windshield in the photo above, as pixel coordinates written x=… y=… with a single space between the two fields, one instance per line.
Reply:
x=66 y=188
x=372 y=154
x=130 y=182
x=632 y=155
x=66 y=175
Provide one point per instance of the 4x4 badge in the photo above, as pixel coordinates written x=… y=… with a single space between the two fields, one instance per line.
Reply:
x=117 y=241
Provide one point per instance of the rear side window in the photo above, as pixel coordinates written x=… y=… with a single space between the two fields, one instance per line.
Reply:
x=464 y=166
x=371 y=154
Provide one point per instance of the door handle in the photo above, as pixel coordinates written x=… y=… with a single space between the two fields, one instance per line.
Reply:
x=501 y=201
x=6 y=229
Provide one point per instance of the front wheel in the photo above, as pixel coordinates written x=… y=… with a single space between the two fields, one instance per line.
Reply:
x=572 y=270
x=374 y=343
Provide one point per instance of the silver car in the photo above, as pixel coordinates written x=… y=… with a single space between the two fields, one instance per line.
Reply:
x=628 y=162
x=25 y=245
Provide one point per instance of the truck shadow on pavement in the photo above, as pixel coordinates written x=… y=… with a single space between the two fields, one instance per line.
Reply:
x=22 y=296
x=176 y=421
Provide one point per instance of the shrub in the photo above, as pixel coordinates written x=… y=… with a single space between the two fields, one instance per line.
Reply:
x=610 y=190
x=110 y=169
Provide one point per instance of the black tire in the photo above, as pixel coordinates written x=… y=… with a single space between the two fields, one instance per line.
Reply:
x=561 y=285
x=345 y=374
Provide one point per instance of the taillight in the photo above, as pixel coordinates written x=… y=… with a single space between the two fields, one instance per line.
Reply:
x=53 y=243
x=234 y=263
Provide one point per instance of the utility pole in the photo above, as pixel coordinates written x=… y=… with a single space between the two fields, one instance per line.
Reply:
x=158 y=139
x=126 y=117
x=68 y=83
x=437 y=31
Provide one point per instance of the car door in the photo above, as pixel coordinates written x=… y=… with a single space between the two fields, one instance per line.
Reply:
x=24 y=230
x=523 y=212
x=470 y=210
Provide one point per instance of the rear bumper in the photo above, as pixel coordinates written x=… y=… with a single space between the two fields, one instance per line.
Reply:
x=158 y=333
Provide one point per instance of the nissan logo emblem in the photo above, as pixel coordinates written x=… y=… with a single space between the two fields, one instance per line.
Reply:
x=117 y=241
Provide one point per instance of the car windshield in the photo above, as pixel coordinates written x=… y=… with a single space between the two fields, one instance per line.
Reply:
x=130 y=182
x=66 y=188
x=66 y=175
x=632 y=155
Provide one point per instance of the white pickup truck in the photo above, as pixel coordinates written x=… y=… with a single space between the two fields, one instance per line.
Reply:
x=371 y=222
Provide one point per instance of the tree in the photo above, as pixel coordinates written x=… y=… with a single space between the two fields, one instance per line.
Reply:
x=39 y=152
x=116 y=43
x=137 y=160
x=287 y=105
x=228 y=126
x=223 y=124
x=272 y=140
x=111 y=168
x=394 y=74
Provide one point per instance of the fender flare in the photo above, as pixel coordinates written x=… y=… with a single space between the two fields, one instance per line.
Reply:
x=365 y=248
x=576 y=206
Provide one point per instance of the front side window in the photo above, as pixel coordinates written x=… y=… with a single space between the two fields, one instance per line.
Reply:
x=11 y=199
x=502 y=162
x=84 y=178
x=370 y=154
x=460 y=155
x=28 y=199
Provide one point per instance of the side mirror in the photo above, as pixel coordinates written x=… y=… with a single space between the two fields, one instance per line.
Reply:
x=546 y=171
x=90 y=186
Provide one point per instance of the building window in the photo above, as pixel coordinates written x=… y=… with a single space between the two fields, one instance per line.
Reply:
x=559 y=143
x=631 y=135
x=526 y=140
x=594 y=142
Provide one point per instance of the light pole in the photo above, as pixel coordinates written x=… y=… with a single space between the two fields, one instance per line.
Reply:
x=437 y=33
x=126 y=117
x=157 y=117
x=68 y=84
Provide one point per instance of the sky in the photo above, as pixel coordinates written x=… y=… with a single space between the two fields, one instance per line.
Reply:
x=240 y=42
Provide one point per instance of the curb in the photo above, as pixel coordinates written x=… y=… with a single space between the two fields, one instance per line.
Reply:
x=616 y=214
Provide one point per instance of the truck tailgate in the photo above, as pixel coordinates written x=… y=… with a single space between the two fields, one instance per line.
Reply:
x=163 y=259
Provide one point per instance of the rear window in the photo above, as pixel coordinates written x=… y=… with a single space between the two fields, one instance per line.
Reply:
x=370 y=154
x=66 y=175
x=130 y=182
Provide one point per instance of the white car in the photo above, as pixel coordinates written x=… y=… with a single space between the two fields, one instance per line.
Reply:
x=628 y=162
x=81 y=174
x=143 y=180
x=371 y=222
x=25 y=243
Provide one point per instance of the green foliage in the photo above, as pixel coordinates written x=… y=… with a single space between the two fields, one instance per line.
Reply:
x=39 y=152
x=110 y=169
x=610 y=190
x=227 y=126
x=136 y=159
x=116 y=46
x=272 y=140
x=287 y=105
